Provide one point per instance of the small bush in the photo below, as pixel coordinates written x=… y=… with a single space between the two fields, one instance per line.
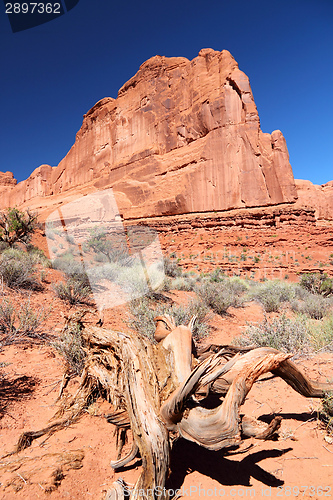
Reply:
x=16 y=226
x=72 y=268
x=143 y=317
x=73 y=290
x=18 y=270
x=318 y=283
x=313 y=306
x=186 y=284
x=221 y=295
x=282 y=333
x=238 y=285
x=171 y=268
x=183 y=314
x=112 y=247
x=271 y=294
x=100 y=257
x=216 y=276
x=20 y=324
x=38 y=256
x=3 y=246
x=70 y=346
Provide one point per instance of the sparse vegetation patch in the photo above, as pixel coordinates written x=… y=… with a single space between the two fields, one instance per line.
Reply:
x=271 y=294
x=143 y=313
x=221 y=295
x=16 y=226
x=18 y=269
x=284 y=334
x=70 y=346
x=20 y=324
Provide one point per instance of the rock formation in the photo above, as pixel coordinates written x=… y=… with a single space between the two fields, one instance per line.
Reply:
x=318 y=197
x=182 y=136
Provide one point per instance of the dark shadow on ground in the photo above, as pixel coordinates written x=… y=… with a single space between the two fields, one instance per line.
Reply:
x=301 y=417
x=15 y=390
x=187 y=457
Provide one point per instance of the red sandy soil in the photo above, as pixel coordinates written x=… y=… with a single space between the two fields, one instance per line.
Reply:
x=300 y=460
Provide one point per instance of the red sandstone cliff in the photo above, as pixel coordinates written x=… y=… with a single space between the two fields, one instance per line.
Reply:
x=182 y=136
x=318 y=197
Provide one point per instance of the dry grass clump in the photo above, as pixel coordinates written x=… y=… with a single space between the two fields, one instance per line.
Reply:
x=183 y=314
x=321 y=335
x=21 y=324
x=76 y=288
x=143 y=312
x=184 y=283
x=38 y=256
x=326 y=412
x=70 y=346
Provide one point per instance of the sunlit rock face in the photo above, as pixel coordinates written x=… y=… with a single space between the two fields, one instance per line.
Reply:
x=318 y=197
x=182 y=136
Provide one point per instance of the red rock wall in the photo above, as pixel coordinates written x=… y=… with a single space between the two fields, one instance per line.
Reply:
x=318 y=197
x=182 y=136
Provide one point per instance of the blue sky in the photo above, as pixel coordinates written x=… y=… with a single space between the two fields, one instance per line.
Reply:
x=52 y=74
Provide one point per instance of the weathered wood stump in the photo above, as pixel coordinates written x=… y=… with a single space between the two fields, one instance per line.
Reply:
x=157 y=390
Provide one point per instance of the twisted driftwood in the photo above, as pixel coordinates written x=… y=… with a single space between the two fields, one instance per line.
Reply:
x=157 y=391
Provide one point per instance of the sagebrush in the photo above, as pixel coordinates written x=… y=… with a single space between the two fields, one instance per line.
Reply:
x=21 y=324
x=18 y=269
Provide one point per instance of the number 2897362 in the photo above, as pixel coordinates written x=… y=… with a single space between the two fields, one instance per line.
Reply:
x=33 y=8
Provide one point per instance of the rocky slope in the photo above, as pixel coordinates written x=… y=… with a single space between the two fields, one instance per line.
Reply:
x=182 y=136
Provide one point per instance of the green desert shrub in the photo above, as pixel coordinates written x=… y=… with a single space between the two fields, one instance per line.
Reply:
x=221 y=295
x=18 y=270
x=16 y=226
x=318 y=283
x=284 y=334
x=271 y=294
x=216 y=276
